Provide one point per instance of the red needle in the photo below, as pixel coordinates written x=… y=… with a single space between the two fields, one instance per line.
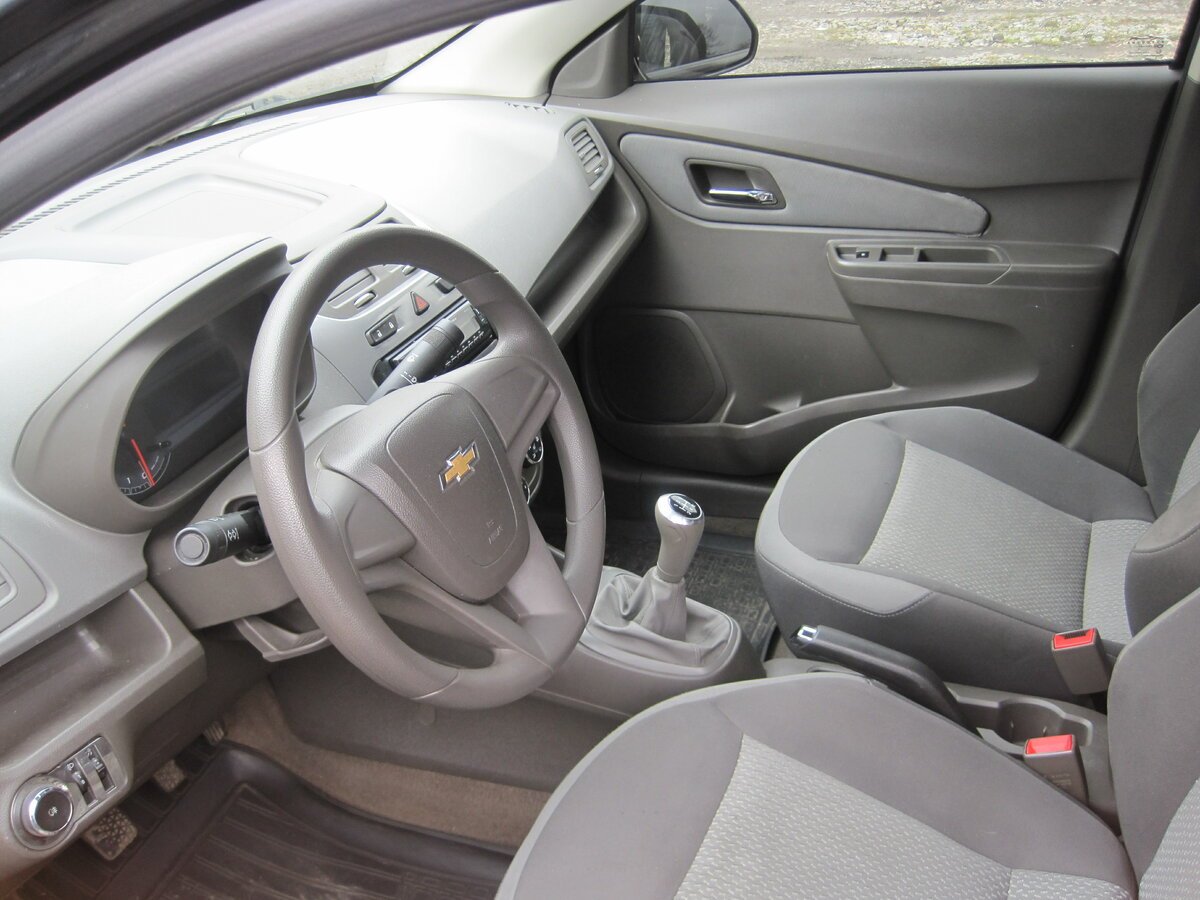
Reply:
x=142 y=462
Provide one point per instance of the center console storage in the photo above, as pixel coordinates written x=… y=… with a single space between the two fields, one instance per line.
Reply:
x=1007 y=721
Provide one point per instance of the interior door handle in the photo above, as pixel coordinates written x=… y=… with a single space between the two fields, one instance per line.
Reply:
x=731 y=184
x=743 y=196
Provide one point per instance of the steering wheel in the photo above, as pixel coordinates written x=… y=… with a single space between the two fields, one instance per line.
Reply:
x=420 y=490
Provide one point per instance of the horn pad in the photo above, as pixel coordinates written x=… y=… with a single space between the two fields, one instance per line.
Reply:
x=443 y=472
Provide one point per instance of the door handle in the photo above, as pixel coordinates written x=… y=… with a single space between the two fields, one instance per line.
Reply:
x=732 y=184
x=742 y=196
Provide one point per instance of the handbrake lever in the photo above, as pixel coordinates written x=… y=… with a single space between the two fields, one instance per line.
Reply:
x=904 y=674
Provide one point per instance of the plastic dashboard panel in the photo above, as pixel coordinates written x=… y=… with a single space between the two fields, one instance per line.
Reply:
x=103 y=280
x=112 y=263
x=90 y=406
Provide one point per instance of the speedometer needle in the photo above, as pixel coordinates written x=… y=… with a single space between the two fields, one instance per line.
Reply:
x=142 y=462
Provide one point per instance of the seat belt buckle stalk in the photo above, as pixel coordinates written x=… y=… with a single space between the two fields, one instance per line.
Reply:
x=1081 y=660
x=1057 y=758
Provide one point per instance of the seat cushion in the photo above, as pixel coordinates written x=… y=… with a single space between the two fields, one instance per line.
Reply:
x=956 y=536
x=814 y=785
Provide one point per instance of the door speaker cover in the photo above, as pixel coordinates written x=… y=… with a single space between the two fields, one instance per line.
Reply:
x=655 y=366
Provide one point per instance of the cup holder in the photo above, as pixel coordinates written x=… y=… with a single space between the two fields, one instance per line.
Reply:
x=1019 y=720
x=1014 y=720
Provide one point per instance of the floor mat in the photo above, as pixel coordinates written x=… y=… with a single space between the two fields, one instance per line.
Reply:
x=246 y=828
x=723 y=575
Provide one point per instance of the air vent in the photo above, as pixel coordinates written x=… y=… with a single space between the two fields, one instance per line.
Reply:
x=589 y=150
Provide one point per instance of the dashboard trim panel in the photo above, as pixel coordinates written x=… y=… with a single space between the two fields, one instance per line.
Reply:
x=88 y=410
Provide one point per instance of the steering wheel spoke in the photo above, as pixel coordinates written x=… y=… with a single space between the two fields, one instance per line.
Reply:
x=402 y=593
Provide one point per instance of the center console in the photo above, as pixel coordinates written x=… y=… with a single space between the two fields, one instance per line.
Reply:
x=646 y=640
x=1014 y=724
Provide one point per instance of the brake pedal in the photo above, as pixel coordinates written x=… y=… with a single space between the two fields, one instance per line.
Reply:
x=112 y=834
x=215 y=733
x=169 y=777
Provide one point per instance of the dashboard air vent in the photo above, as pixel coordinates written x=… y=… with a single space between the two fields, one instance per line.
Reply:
x=588 y=149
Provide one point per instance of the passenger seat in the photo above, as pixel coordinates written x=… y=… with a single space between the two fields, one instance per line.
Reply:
x=968 y=541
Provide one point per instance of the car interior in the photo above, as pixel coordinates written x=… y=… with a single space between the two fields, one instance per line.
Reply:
x=599 y=448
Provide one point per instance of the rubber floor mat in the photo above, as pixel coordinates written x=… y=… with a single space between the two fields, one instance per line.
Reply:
x=256 y=849
x=244 y=827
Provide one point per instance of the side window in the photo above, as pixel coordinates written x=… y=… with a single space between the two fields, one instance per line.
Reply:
x=794 y=36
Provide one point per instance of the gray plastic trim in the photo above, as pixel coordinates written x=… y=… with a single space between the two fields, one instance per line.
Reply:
x=109 y=675
x=207 y=69
x=88 y=409
x=601 y=69
x=1009 y=335
x=21 y=591
x=937 y=127
x=813 y=194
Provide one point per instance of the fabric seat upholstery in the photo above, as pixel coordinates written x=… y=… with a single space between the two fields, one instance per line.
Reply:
x=807 y=786
x=829 y=786
x=967 y=541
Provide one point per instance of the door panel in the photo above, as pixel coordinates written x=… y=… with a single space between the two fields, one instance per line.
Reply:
x=937 y=238
x=978 y=128
x=807 y=193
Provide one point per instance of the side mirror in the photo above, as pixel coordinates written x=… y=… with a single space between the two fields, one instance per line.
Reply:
x=677 y=39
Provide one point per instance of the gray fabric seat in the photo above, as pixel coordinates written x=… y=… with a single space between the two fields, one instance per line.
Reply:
x=967 y=541
x=829 y=786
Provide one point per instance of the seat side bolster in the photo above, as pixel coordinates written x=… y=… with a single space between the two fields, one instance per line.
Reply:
x=1154 y=727
x=830 y=500
x=1165 y=563
x=1168 y=412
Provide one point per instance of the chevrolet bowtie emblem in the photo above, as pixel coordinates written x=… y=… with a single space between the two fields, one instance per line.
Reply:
x=459 y=467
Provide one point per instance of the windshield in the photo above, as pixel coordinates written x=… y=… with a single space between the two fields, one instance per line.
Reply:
x=374 y=68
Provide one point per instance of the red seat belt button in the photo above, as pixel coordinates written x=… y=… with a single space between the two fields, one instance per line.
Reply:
x=1054 y=743
x=1081 y=660
x=1056 y=758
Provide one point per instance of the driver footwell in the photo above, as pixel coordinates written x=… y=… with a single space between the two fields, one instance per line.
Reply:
x=245 y=828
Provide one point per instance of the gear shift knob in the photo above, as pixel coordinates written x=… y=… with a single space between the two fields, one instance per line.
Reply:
x=680 y=525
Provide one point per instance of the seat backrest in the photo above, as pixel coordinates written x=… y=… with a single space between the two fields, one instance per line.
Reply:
x=1154 y=745
x=1165 y=563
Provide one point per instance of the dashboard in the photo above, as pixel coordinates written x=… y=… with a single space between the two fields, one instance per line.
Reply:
x=131 y=306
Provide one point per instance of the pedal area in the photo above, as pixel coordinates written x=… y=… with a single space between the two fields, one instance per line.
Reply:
x=223 y=821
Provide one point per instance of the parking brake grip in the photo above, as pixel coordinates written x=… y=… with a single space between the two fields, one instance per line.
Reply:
x=904 y=674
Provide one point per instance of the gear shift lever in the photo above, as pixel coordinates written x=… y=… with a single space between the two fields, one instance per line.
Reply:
x=659 y=602
x=680 y=526
x=649 y=617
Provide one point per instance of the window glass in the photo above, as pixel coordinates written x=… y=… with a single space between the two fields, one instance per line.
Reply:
x=802 y=36
x=371 y=68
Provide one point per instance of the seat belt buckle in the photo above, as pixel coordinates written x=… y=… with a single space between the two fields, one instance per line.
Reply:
x=1081 y=660
x=1056 y=758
